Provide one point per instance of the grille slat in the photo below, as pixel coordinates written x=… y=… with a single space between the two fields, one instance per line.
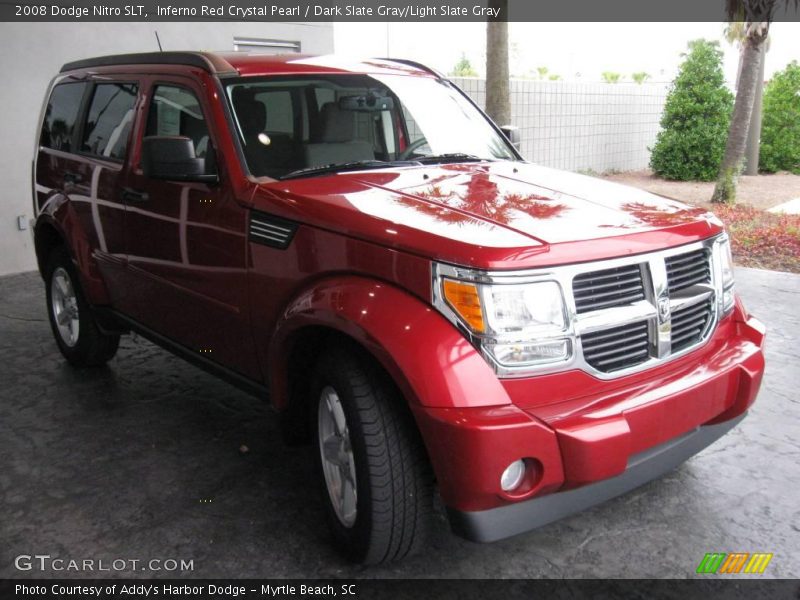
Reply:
x=689 y=279
x=632 y=347
x=621 y=362
x=621 y=292
x=622 y=286
x=614 y=302
x=687 y=266
x=699 y=320
x=678 y=340
x=599 y=282
x=639 y=346
x=689 y=324
x=603 y=334
x=686 y=270
x=607 y=288
x=633 y=339
x=689 y=257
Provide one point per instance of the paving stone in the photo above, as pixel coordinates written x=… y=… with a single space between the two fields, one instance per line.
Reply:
x=142 y=460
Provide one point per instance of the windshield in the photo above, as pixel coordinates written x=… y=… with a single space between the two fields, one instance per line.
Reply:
x=304 y=123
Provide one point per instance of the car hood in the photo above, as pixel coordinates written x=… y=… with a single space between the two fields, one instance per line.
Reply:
x=516 y=213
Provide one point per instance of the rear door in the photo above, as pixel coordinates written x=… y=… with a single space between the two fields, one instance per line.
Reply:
x=84 y=141
x=186 y=242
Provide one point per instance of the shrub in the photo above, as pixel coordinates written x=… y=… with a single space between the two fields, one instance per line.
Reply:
x=780 y=129
x=694 y=126
x=463 y=68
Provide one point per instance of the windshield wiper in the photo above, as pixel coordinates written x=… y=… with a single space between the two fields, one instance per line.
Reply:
x=450 y=157
x=355 y=165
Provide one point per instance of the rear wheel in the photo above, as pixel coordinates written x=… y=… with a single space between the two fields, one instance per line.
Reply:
x=373 y=470
x=79 y=338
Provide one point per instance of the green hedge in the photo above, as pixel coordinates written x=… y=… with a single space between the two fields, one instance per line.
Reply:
x=780 y=129
x=694 y=126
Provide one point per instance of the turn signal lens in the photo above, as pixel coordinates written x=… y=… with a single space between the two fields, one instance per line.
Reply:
x=464 y=299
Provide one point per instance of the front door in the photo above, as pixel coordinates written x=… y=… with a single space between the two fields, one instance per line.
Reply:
x=186 y=242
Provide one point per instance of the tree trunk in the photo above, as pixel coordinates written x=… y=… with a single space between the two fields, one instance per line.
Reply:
x=753 y=147
x=739 y=66
x=733 y=160
x=498 y=105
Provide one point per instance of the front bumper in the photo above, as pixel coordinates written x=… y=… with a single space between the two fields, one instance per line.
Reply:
x=502 y=522
x=590 y=441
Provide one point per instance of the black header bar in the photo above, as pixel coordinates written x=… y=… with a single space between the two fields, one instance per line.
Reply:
x=383 y=10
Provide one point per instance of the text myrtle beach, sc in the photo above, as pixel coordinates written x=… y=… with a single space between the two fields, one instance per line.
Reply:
x=265 y=11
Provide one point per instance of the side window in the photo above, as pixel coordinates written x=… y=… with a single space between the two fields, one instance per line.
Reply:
x=280 y=112
x=60 y=116
x=414 y=133
x=323 y=96
x=176 y=111
x=109 y=121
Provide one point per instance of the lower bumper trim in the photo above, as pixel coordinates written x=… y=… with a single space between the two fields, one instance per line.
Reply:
x=499 y=523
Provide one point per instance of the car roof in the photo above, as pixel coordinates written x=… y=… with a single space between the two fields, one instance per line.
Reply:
x=234 y=64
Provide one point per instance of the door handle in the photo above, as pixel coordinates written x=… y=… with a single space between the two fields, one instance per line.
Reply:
x=131 y=195
x=72 y=177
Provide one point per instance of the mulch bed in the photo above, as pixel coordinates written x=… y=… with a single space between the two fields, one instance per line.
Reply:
x=762 y=239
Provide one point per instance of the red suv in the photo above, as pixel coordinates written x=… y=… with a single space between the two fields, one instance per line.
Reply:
x=360 y=244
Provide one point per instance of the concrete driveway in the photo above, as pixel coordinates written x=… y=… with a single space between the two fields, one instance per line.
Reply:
x=142 y=460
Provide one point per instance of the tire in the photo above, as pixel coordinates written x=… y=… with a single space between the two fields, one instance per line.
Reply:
x=79 y=338
x=393 y=480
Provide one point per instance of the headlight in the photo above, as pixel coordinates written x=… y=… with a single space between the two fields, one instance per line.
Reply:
x=518 y=325
x=529 y=309
x=725 y=274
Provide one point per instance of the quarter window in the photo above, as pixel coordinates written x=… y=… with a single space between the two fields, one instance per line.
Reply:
x=60 y=116
x=109 y=121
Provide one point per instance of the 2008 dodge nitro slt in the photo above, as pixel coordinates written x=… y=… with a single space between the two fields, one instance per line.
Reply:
x=360 y=244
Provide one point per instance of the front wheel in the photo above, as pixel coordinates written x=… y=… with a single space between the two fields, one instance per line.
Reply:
x=79 y=338
x=374 y=473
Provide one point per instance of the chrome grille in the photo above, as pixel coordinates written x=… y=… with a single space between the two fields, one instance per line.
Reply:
x=617 y=348
x=689 y=324
x=625 y=314
x=672 y=322
x=609 y=287
x=686 y=270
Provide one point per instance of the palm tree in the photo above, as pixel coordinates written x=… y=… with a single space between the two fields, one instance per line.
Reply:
x=755 y=16
x=734 y=34
x=498 y=103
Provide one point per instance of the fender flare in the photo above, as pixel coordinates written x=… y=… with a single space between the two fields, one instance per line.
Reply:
x=430 y=361
x=58 y=213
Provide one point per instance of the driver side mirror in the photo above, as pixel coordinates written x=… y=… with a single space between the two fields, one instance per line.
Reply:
x=173 y=158
x=512 y=135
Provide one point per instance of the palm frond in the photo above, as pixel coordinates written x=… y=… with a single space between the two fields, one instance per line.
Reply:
x=757 y=10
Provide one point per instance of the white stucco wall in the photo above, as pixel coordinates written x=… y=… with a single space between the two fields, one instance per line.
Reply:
x=34 y=52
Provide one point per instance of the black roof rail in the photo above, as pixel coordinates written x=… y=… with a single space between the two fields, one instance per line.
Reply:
x=416 y=65
x=206 y=61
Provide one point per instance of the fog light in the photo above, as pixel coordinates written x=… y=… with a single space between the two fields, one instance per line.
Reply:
x=530 y=353
x=513 y=475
